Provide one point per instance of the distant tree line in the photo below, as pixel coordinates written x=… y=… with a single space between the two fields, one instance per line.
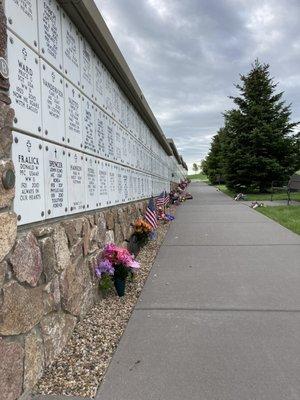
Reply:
x=257 y=144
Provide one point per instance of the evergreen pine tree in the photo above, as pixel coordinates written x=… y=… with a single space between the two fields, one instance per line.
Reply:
x=258 y=146
x=214 y=160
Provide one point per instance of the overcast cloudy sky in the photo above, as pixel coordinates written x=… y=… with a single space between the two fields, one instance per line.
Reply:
x=186 y=55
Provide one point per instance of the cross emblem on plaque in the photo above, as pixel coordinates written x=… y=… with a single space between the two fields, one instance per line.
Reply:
x=28 y=144
x=24 y=52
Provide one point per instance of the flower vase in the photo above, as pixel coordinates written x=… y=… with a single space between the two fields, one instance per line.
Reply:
x=120 y=284
x=134 y=245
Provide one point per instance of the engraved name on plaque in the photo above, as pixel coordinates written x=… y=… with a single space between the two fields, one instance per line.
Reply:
x=91 y=178
x=86 y=66
x=22 y=19
x=88 y=126
x=27 y=156
x=76 y=184
x=24 y=79
x=53 y=104
x=103 y=171
x=101 y=132
x=55 y=167
x=71 y=50
x=73 y=116
x=50 y=32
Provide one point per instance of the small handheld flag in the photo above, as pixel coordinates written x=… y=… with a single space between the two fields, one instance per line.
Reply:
x=150 y=215
x=160 y=201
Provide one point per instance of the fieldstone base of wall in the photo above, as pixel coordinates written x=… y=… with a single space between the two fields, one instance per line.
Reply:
x=47 y=284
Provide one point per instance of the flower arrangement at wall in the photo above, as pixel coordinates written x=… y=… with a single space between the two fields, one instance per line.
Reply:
x=115 y=264
x=142 y=230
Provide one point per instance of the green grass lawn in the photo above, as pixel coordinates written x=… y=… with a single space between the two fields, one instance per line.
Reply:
x=198 y=177
x=288 y=216
x=261 y=196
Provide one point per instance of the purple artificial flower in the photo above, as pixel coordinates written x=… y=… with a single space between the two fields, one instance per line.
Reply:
x=104 y=267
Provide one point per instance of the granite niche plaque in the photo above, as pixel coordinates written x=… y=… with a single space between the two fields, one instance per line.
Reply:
x=76 y=184
x=50 y=32
x=27 y=156
x=71 y=50
x=110 y=126
x=125 y=185
x=112 y=184
x=118 y=143
x=53 y=104
x=101 y=133
x=73 y=116
x=86 y=65
x=103 y=172
x=22 y=19
x=55 y=167
x=91 y=177
x=88 y=126
x=119 y=197
x=99 y=82
x=24 y=76
x=130 y=184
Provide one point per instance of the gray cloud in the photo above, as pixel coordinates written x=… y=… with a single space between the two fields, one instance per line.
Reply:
x=186 y=56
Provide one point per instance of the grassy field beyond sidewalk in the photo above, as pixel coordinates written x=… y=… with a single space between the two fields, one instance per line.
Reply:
x=261 y=196
x=198 y=177
x=288 y=216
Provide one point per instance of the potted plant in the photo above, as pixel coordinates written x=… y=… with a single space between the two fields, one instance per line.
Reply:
x=114 y=266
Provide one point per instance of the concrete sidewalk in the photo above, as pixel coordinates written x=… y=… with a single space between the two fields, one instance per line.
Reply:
x=219 y=317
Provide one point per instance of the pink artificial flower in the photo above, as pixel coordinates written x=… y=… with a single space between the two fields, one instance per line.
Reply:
x=123 y=256
x=134 y=265
x=110 y=252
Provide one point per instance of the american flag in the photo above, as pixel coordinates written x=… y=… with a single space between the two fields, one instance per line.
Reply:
x=150 y=215
x=167 y=199
x=163 y=199
x=160 y=201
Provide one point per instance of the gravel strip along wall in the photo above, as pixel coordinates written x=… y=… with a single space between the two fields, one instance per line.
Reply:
x=46 y=267
x=79 y=369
